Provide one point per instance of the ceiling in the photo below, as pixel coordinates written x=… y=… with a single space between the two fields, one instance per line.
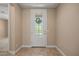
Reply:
x=38 y=5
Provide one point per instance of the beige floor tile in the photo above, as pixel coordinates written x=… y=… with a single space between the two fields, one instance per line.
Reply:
x=38 y=52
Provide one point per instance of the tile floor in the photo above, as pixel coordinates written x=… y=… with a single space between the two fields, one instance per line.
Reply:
x=38 y=52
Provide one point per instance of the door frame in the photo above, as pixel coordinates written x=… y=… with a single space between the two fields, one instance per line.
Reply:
x=46 y=28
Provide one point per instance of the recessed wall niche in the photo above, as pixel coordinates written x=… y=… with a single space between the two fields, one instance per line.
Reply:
x=4 y=40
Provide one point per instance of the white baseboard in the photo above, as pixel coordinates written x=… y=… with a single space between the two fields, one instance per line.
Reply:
x=60 y=51
x=18 y=49
x=50 y=46
x=28 y=46
x=12 y=52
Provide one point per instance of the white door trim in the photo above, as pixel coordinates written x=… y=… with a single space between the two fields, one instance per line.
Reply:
x=45 y=13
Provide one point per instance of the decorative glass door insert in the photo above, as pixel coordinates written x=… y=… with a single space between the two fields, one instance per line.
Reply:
x=38 y=25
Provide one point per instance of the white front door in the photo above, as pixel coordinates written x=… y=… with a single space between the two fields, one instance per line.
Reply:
x=39 y=27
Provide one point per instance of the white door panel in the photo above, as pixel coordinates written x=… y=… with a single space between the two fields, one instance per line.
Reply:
x=39 y=31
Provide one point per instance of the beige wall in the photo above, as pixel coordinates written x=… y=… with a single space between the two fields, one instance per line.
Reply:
x=67 y=30
x=3 y=28
x=15 y=27
x=26 y=26
x=51 y=14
